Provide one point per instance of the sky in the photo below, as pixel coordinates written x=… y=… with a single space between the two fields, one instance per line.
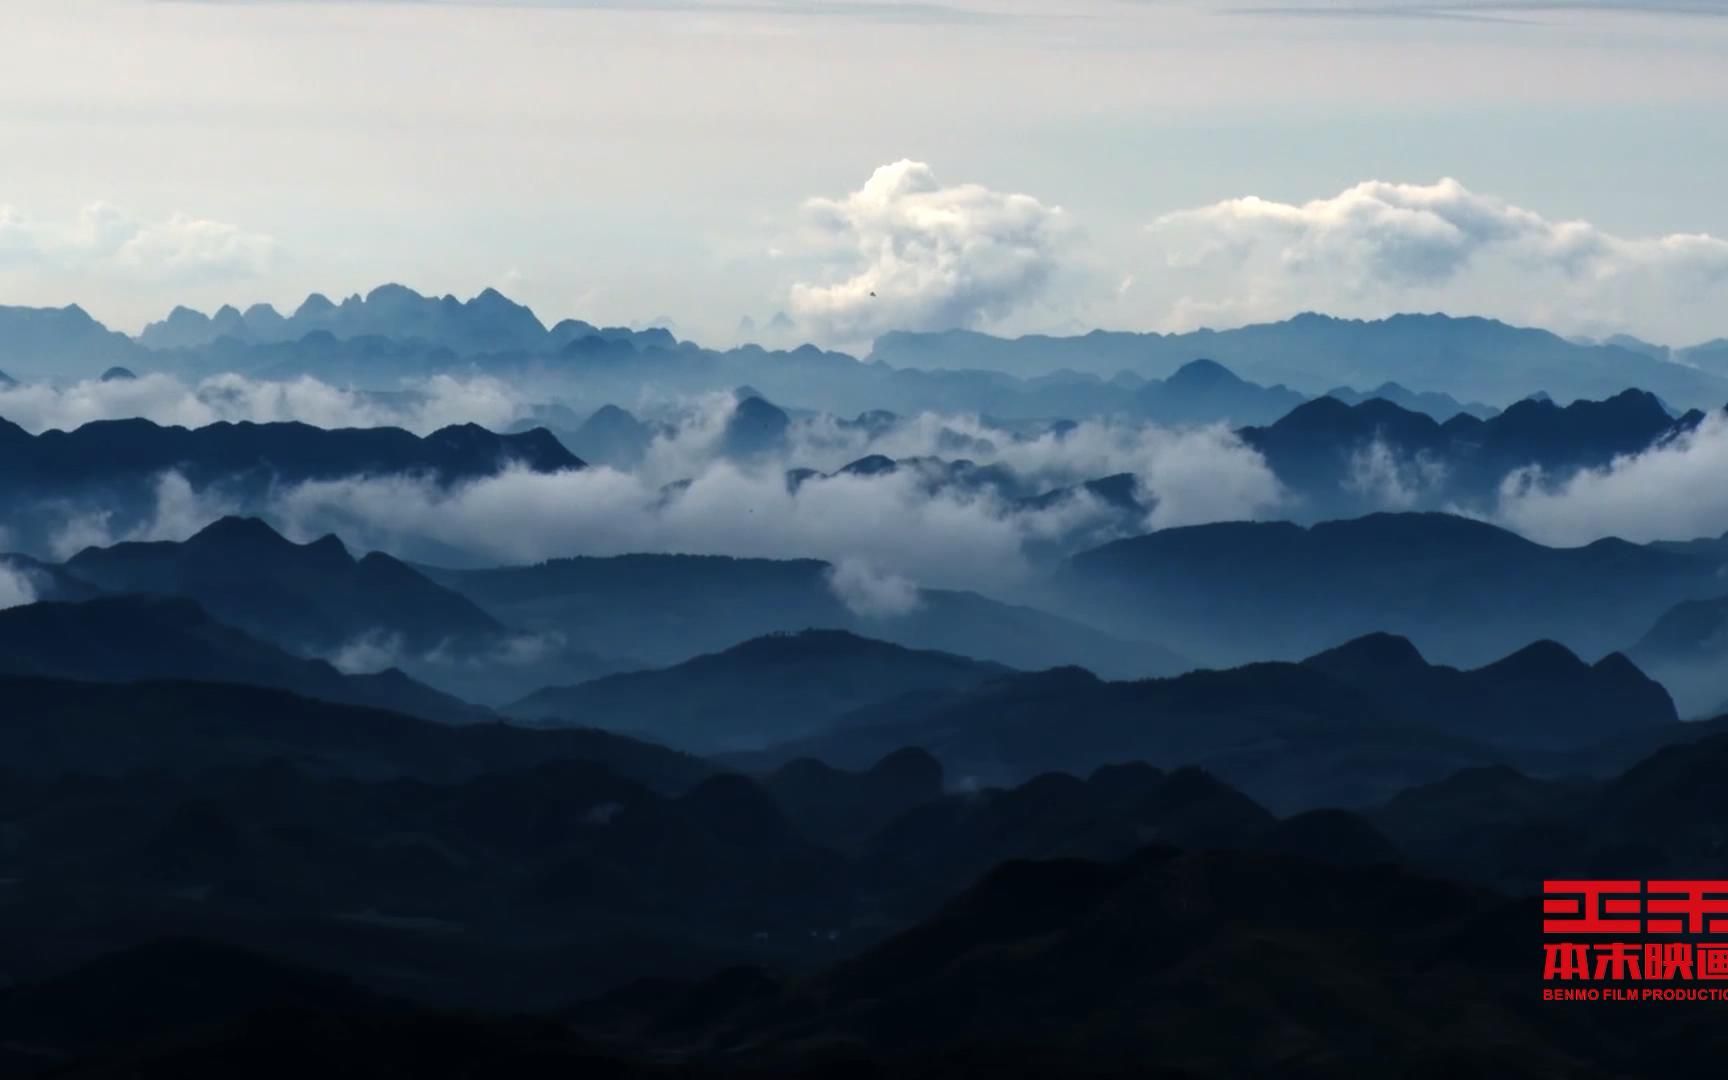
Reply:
x=1009 y=165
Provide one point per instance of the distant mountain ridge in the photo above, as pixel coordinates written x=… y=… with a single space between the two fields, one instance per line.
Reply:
x=394 y=332
x=766 y=690
x=660 y=610
x=113 y=467
x=1466 y=591
x=1343 y=459
x=149 y=638
x=1472 y=359
x=101 y=450
x=490 y=322
x=314 y=597
x=1350 y=726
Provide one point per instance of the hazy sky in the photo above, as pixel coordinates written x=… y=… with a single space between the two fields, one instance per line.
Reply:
x=1011 y=164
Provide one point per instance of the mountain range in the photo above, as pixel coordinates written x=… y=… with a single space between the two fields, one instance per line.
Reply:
x=657 y=610
x=313 y=597
x=112 y=471
x=1472 y=359
x=1347 y=727
x=1465 y=591
x=766 y=690
x=393 y=332
x=126 y=639
x=1342 y=460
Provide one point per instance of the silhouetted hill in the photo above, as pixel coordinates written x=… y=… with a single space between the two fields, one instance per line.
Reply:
x=125 y=639
x=1181 y=964
x=1441 y=407
x=53 y=727
x=1343 y=729
x=841 y=808
x=1543 y=695
x=611 y=436
x=1661 y=818
x=755 y=429
x=312 y=597
x=1685 y=647
x=145 y=993
x=1463 y=590
x=108 y=451
x=60 y=342
x=766 y=690
x=1344 y=459
x=664 y=609
x=38 y=580
x=1204 y=392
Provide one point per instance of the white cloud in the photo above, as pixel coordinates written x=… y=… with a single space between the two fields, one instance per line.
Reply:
x=1378 y=247
x=872 y=593
x=1671 y=492
x=921 y=256
x=1389 y=481
x=16 y=587
x=909 y=525
x=369 y=653
x=106 y=239
x=179 y=511
x=888 y=530
x=422 y=406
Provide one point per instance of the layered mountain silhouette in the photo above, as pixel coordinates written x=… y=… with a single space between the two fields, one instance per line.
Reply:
x=658 y=610
x=106 y=451
x=125 y=639
x=487 y=323
x=313 y=597
x=111 y=470
x=1471 y=359
x=56 y=728
x=611 y=436
x=43 y=342
x=1205 y=392
x=394 y=332
x=1685 y=647
x=1348 y=727
x=1441 y=407
x=1343 y=459
x=1465 y=591
x=766 y=690
x=817 y=919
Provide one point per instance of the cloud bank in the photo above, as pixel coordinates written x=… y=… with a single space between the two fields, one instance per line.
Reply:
x=105 y=239
x=420 y=406
x=1671 y=492
x=1378 y=247
x=885 y=532
x=918 y=255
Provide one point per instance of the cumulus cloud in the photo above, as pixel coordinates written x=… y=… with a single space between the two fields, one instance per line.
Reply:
x=421 y=406
x=1670 y=492
x=918 y=255
x=1379 y=246
x=101 y=237
x=871 y=593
